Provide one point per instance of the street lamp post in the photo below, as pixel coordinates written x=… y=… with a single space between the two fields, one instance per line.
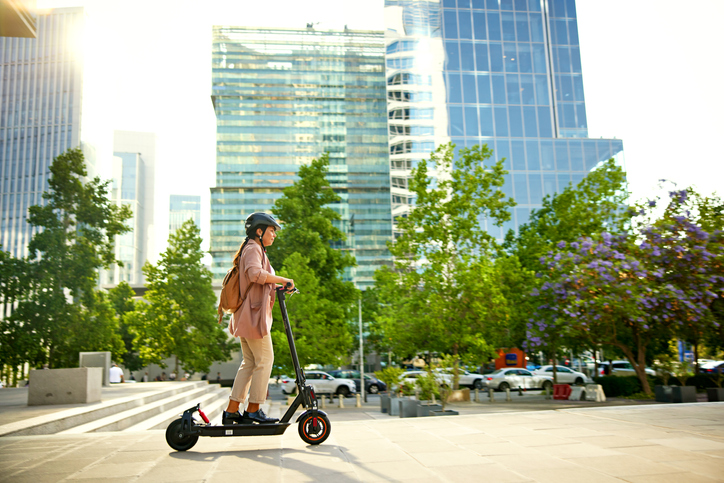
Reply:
x=361 y=354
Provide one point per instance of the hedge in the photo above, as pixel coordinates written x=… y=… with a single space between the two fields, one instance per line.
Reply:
x=616 y=386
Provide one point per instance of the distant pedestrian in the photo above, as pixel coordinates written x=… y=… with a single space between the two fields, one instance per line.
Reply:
x=218 y=378
x=145 y=377
x=115 y=375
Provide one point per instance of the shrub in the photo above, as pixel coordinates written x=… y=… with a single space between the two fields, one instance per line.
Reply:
x=617 y=386
x=390 y=376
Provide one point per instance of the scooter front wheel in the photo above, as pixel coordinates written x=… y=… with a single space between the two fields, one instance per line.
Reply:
x=177 y=439
x=314 y=429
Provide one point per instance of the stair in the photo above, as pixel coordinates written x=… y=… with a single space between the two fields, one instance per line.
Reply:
x=126 y=419
x=111 y=415
x=212 y=404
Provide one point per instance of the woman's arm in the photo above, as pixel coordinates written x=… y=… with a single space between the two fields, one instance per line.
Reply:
x=256 y=273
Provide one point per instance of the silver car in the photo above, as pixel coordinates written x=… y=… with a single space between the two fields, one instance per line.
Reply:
x=565 y=375
x=514 y=378
x=322 y=382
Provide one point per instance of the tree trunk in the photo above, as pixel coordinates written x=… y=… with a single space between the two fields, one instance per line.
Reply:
x=175 y=369
x=638 y=365
x=696 y=357
x=555 y=369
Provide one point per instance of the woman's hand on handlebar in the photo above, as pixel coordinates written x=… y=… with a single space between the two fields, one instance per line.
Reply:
x=288 y=285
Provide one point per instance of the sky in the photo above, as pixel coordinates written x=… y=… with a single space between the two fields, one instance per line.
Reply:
x=652 y=73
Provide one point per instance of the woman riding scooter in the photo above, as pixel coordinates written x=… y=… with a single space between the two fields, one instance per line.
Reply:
x=252 y=321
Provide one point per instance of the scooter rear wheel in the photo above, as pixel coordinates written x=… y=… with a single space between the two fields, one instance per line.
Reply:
x=177 y=439
x=314 y=429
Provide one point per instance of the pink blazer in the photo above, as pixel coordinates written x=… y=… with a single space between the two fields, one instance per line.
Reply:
x=253 y=320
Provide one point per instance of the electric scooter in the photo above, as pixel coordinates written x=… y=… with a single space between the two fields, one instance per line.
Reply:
x=314 y=426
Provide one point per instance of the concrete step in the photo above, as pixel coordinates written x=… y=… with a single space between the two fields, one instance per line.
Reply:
x=69 y=418
x=212 y=403
x=130 y=417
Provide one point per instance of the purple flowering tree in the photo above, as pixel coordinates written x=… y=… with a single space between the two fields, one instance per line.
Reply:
x=627 y=290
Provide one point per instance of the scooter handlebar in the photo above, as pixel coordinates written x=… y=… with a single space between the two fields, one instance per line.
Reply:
x=286 y=288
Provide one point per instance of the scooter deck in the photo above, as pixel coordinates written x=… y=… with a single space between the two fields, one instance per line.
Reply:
x=243 y=429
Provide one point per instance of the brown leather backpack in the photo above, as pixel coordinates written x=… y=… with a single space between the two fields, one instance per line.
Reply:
x=231 y=299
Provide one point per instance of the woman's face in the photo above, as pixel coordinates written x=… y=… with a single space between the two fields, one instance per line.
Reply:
x=269 y=235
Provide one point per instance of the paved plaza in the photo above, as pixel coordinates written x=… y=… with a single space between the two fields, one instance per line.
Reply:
x=650 y=443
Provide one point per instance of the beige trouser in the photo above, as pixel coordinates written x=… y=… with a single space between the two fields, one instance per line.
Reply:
x=254 y=371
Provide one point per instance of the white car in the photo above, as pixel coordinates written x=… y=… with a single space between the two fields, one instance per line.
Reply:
x=467 y=379
x=564 y=374
x=514 y=378
x=622 y=368
x=410 y=377
x=322 y=383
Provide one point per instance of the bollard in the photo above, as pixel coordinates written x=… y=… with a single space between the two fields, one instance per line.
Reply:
x=491 y=395
x=520 y=391
x=507 y=394
x=548 y=395
x=359 y=401
x=341 y=401
x=476 y=395
x=324 y=400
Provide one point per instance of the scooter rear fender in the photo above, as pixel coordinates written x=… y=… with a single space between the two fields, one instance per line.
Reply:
x=309 y=411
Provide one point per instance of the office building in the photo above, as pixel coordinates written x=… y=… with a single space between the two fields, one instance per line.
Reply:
x=40 y=116
x=132 y=184
x=182 y=208
x=506 y=73
x=283 y=98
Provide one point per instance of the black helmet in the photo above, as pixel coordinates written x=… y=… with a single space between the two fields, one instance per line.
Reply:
x=259 y=220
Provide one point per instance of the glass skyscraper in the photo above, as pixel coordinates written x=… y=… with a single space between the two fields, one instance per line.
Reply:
x=182 y=208
x=506 y=73
x=40 y=116
x=283 y=98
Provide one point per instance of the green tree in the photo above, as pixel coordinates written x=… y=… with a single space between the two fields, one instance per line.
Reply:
x=304 y=251
x=76 y=227
x=178 y=314
x=321 y=335
x=121 y=298
x=595 y=205
x=443 y=294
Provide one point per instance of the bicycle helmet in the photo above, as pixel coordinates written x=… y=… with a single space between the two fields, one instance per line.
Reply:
x=259 y=220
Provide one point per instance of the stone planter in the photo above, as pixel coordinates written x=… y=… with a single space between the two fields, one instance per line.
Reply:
x=715 y=394
x=663 y=393
x=446 y=412
x=683 y=394
x=386 y=402
x=394 y=406
x=424 y=409
x=407 y=408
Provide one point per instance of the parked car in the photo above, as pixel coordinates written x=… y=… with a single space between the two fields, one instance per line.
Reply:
x=621 y=368
x=372 y=384
x=465 y=378
x=564 y=374
x=514 y=378
x=712 y=367
x=410 y=377
x=323 y=383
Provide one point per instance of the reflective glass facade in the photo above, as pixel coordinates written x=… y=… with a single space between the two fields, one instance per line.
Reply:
x=182 y=208
x=40 y=115
x=283 y=98
x=506 y=73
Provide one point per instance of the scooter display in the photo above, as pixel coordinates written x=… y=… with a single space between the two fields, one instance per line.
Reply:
x=314 y=426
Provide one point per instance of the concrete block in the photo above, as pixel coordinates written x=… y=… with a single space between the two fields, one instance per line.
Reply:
x=97 y=359
x=594 y=392
x=578 y=393
x=65 y=386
